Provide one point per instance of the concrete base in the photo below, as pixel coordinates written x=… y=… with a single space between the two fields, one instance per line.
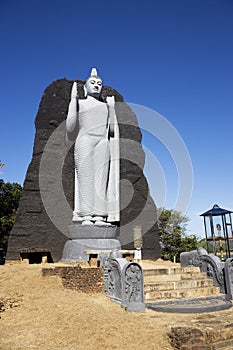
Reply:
x=194 y=305
x=140 y=306
x=74 y=249
x=92 y=232
x=89 y=238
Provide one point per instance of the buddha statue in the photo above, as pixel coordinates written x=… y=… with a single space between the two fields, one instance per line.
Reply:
x=96 y=154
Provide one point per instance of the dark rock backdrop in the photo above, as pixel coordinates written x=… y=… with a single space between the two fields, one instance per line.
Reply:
x=33 y=230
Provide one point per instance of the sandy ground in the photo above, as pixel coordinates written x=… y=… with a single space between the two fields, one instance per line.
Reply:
x=41 y=314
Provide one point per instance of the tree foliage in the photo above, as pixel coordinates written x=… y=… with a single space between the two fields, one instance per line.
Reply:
x=9 y=201
x=172 y=226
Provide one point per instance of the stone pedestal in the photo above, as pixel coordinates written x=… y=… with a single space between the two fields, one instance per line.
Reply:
x=89 y=238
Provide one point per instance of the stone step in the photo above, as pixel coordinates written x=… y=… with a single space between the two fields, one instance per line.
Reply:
x=169 y=270
x=153 y=295
x=180 y=284
x=174 y=282
x=211 y=303
x=197 y=275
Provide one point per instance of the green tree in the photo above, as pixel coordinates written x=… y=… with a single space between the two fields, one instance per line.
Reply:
x=172 y=226
x=9 y=201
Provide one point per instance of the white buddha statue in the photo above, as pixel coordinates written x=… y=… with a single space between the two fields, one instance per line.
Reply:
x=96 y=154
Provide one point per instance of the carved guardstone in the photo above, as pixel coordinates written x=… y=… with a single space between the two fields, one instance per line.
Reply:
x=210 y=264
x=89 y=238
x=132 y=287
x=124 y=282
x=228 y=274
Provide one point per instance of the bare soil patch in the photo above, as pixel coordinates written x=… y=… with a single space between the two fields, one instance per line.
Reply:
x=39 y=313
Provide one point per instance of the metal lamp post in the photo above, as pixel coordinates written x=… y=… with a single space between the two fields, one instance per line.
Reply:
x=218 y=228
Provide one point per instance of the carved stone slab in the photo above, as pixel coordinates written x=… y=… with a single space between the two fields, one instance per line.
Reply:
x=228 y=273
x=124 y=283
x=132 y=287
x=112 y=278
x=210 y=264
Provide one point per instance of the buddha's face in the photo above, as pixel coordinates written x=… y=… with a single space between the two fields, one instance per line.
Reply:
x=93 y=86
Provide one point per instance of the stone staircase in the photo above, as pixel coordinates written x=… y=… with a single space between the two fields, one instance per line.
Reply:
x=169 y=281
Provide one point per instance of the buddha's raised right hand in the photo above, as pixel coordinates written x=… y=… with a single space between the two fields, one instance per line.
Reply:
x=74 y=91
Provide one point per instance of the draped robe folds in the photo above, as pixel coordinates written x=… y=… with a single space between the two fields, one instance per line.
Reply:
x=96 y=156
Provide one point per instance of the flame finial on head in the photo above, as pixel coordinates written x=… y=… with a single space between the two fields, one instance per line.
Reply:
x=94 y=72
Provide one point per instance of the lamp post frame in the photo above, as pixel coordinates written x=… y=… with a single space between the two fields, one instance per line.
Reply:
x=224 y=216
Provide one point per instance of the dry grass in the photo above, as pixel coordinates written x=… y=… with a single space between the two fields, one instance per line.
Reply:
x=41 y=314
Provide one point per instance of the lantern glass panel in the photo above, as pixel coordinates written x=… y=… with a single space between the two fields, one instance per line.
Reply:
x=208 y=228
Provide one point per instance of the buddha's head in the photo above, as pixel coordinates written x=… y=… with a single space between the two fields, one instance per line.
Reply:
x=93 y=84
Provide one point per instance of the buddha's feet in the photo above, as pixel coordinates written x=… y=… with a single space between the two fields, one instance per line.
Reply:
x=87 y=223
x=100 y=221
x=89 y=220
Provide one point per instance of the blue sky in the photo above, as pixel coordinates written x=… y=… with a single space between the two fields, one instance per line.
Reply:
x=174 y=57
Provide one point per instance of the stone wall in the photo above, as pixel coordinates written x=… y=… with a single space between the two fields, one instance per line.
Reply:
x=87 y=280
x=34 y=229
x=190 y=338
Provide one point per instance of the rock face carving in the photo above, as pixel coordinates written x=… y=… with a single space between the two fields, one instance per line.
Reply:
x=42 y=225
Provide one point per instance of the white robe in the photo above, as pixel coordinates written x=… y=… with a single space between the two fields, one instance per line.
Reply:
x=96 y=156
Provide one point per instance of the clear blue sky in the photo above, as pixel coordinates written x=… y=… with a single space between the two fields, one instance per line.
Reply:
x=174 y=57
